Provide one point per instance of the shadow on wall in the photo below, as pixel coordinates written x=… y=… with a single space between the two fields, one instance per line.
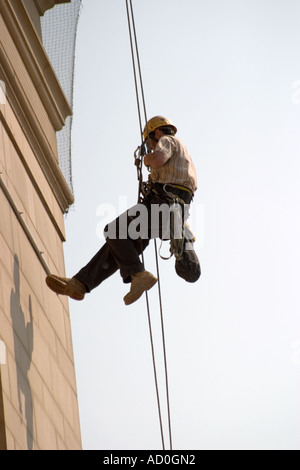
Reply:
x=23 y=346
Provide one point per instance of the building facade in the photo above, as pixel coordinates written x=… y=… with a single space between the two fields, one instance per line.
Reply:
x=38 y=395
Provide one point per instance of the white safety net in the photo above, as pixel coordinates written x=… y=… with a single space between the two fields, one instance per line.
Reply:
x=59 y=28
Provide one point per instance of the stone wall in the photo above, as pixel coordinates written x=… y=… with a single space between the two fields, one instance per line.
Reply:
x=38 y=396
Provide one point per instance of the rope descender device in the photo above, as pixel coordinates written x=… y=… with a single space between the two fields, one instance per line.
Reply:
x=139 y=154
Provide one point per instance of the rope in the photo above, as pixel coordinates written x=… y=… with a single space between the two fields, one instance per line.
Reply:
x=164 y=344
x=134 y=66
x=130 y=28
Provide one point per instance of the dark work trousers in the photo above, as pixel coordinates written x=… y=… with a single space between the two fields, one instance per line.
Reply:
x=126 y=239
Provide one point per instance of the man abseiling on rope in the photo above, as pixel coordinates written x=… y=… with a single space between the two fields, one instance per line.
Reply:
x=173 y=178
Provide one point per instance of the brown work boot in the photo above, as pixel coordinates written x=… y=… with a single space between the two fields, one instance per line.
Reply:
x=64 y=286
x=140 y=282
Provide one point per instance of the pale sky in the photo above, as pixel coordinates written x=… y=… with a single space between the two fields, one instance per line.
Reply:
x=228 y=74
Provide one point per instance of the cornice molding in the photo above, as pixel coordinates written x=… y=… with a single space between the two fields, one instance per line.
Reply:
x=36 y=61
x=46 y=84
x=44 y=5
x=36 y=138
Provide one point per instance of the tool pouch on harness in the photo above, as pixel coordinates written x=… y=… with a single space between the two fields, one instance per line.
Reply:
x=172 y=229
x=176 y=230
x=187 y=265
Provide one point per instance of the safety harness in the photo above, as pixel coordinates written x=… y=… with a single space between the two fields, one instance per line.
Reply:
x=178 y=198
